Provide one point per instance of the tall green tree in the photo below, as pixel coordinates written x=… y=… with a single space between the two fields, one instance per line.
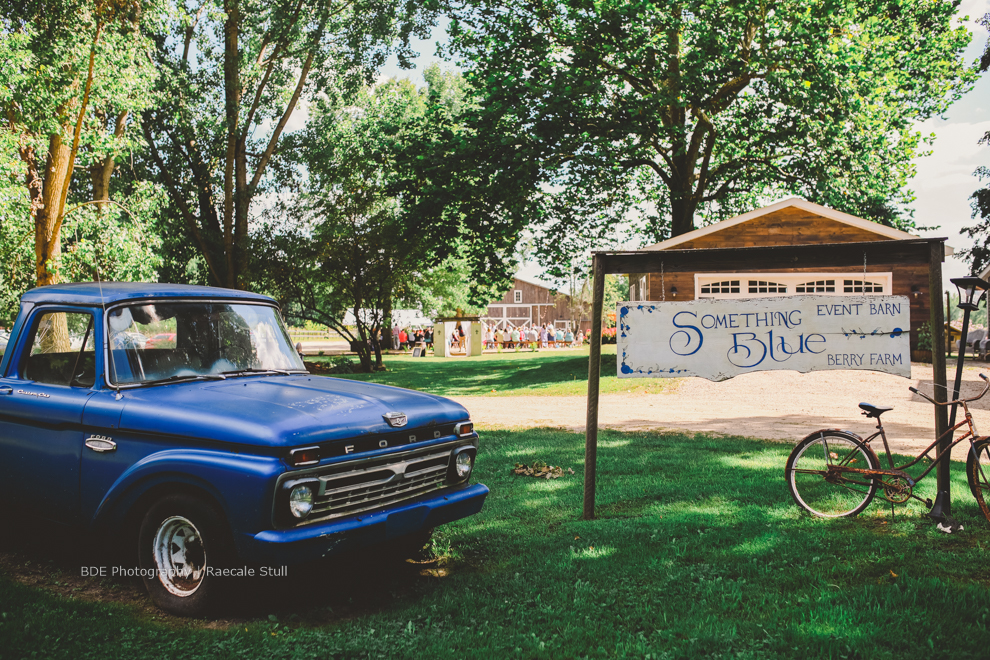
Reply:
x=590 y=110
x=979 y=254
x=233 y=74
x=65 y=66
x=117 y=243
x=339 y=253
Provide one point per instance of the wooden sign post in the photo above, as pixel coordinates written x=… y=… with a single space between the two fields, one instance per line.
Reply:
x=882 y=332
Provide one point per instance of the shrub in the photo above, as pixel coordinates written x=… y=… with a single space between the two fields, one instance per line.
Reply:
x=338 y=364
x=925 y=336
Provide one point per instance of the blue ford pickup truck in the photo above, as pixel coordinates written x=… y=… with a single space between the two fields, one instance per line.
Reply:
x=182 y=419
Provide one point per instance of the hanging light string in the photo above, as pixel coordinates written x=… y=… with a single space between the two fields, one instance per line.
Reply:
x=864 y=272
x=663 y=286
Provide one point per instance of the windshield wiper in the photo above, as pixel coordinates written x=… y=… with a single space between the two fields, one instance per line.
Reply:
x=256 y=370
x=182 y=377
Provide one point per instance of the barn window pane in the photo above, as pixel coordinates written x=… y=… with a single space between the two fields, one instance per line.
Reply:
x=818 y=286
x=760 y=286
x=728 y=286
x=861 y=286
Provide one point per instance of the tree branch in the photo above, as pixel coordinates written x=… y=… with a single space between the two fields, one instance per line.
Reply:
x=637 y=162
x=703 y=176
x=78 y=131
x=180 y=202
x=268 y=69
x=277 y=133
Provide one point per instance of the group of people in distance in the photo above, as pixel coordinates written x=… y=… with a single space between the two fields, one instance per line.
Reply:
x=536 y=336
x=494 y=337
x=409 y=337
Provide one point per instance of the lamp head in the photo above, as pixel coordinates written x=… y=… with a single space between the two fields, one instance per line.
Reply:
x=971 y=290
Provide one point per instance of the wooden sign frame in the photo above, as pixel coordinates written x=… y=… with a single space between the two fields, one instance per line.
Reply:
x=928 y=251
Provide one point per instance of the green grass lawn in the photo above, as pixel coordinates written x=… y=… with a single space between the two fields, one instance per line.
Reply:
x=698 y=551
x=545 y=373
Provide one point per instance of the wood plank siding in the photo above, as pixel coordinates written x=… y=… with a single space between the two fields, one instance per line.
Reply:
x=784 y=227
x=788 y=226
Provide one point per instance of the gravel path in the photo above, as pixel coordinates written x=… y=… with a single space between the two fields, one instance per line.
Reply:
x=778 y=405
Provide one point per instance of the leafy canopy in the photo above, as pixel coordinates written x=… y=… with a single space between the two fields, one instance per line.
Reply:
x=233 y=73
x=344 y=250
x=614 y=113
x=979 y=254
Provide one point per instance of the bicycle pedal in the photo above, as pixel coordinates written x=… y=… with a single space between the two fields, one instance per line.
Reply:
x=928 y=503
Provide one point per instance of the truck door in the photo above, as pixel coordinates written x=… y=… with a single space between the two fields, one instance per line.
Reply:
x=50 y=378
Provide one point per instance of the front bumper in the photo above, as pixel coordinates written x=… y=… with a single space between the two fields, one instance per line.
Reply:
x=310 y=542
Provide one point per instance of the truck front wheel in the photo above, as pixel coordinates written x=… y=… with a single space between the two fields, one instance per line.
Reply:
x=183 y=544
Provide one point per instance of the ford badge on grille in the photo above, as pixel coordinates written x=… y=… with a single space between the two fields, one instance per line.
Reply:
x=395 y=418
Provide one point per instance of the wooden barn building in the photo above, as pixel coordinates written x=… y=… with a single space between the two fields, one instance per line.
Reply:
x=790 y=222
x=526 y=304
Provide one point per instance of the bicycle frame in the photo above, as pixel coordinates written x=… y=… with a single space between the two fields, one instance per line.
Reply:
x=898 y=471
x=836 y=466
x=939 y=456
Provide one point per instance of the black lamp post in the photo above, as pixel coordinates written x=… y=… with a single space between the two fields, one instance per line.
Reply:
x=971 y=290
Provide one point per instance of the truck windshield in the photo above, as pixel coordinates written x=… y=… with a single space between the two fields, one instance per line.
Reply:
x=174 y=341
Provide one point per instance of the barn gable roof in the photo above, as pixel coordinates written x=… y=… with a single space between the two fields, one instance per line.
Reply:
x=542 y=285
x=796 y=202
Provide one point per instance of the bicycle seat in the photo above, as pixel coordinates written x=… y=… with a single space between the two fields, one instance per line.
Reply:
x=874 y=411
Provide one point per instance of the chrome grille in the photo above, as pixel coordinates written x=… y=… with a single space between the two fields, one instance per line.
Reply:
x=379 y=483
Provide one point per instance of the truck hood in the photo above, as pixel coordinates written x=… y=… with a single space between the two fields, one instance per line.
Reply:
x=280 y=411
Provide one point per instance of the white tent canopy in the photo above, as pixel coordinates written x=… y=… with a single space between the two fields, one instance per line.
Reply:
x=401 y=318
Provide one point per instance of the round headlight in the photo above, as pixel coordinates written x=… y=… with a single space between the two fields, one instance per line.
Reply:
x=463 y=464
x=300 y=501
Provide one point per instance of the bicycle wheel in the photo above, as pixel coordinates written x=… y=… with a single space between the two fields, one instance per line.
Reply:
x=840 y=494
x=978 y=473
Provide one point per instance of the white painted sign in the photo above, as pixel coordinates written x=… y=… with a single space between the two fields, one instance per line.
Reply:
x=719 y=339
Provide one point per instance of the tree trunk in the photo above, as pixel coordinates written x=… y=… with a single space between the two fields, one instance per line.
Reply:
x=242 y=202
x=99 y=174
x=101 y=171
x=46 y=241
x=376 y=347
x=387 y=322
x=53 y=333
x=232 y=100
x=33 y=180
x=363 y=351
x=682 y=208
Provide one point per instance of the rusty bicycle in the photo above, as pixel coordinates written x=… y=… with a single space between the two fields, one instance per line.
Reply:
x=833 y=473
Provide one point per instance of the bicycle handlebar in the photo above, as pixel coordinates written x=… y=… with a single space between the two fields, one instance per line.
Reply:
x=947 y=403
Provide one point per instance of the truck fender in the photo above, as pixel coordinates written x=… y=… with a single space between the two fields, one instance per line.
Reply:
x=221 y=474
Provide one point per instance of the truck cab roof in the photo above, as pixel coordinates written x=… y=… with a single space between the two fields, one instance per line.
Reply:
x=95 y=293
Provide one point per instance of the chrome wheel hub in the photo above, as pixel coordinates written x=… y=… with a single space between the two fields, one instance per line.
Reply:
x=179 y=556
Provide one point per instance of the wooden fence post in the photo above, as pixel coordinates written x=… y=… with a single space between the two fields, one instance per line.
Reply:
x=940 y=394
x=594 y=371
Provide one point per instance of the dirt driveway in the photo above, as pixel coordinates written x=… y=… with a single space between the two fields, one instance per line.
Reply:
x=779 y=405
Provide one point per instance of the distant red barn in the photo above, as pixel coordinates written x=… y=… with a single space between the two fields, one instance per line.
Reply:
x=526 y=304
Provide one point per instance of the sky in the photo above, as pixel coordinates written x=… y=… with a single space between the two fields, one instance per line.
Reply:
x=944 y=180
